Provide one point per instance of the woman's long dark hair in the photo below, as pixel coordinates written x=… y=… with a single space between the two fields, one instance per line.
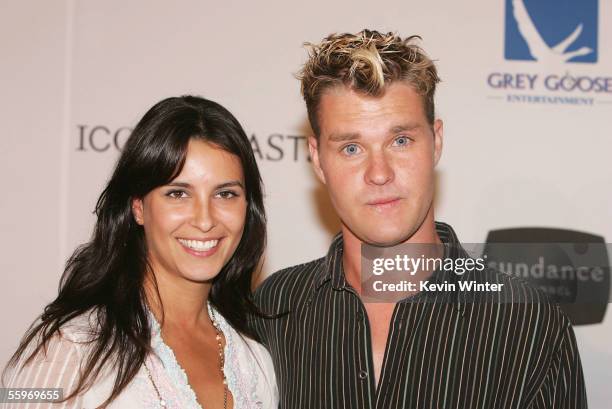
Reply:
x=107 y=274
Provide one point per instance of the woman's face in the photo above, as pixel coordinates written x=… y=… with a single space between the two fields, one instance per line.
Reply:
x=194 y=223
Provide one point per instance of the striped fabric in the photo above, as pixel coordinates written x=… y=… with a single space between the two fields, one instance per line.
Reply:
x=454 y=352
x=248 y=369
x=58 y=368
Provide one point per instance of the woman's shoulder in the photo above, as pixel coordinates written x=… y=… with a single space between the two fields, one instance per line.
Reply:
x=60 y=362
x=60 y=356
x=262 y=370
x=55 y=364
x=257 y=350
x=82 y=329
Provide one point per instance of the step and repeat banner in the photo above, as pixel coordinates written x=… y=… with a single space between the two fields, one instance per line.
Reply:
x=526 y=100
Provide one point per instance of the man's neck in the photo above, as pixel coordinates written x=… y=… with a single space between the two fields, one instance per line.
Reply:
x=351 y=256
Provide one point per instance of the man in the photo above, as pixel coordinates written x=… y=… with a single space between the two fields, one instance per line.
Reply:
x=370 y=101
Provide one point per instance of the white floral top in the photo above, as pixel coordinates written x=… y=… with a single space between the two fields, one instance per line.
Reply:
x=248 y=369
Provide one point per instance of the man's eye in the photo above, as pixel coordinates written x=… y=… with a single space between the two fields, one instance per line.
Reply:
x=401 y=141
x=177 y=194
x=351 y=149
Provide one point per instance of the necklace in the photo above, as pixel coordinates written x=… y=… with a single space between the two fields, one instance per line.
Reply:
x=219 y=338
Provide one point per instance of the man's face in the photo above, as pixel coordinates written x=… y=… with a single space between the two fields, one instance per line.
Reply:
x=377 y=157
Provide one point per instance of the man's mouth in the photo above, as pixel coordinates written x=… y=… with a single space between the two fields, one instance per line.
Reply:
x=384 y=201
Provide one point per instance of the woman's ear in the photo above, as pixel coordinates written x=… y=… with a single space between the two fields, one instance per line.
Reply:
x=138 y=211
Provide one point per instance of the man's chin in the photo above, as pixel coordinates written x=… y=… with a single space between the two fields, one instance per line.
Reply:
x=385 y=233
x=386 y=239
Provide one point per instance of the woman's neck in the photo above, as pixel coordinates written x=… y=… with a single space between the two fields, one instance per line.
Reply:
x=177 y=301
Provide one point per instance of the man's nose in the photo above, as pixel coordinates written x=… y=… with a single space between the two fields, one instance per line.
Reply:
x=379 y=170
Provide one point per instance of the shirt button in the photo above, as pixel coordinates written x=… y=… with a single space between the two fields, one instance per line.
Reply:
x=363 y=374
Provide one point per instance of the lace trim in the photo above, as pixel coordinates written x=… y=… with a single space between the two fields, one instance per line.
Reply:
x=176 y=374
x=241 y=376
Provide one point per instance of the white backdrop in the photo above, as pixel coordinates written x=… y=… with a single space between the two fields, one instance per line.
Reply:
x=76 y=75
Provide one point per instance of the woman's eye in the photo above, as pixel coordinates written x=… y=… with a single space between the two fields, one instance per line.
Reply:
x=351 y=149
x=401 y=141
x=227 y=194
x=176 y=194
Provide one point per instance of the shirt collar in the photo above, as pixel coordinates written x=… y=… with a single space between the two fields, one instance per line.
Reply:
x=333 y=269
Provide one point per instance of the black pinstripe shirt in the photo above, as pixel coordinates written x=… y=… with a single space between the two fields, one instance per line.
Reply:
x=449 y=353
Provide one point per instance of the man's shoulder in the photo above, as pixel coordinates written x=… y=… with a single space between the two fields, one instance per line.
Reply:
x=524 y=301
x=289 y=284
x=514 y=288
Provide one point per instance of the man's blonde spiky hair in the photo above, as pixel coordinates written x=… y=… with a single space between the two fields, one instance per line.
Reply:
x=367 y=62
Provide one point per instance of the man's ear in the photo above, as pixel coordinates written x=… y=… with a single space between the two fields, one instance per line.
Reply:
x=313 y=147
x=138 y=211
x=438 y=130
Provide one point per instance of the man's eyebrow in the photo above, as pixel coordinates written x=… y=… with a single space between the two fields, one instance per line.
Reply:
x=405 y=127
x=342 y=137
x=354 y=136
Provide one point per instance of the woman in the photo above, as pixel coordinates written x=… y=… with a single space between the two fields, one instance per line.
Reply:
x=152 y=311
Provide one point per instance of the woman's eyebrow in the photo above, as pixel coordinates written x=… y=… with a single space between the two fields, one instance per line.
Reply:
x=179 y=184
x=232 y=183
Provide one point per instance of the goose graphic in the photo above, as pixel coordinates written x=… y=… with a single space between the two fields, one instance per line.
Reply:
x=537 y=46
